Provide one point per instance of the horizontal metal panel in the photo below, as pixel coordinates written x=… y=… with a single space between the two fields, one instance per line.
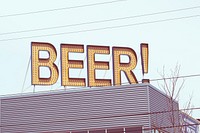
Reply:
x=76 y=110
x=160 y=103
x=78 y=125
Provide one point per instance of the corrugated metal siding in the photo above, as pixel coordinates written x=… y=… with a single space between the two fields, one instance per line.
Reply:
x=158 y=103
x=103 y=107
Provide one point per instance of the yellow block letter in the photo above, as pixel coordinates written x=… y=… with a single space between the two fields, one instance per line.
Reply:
x=92 y=65
x=37 y=62
x=66 y=64
x=125 y=67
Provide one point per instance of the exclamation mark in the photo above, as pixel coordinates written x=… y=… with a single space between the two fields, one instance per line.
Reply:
x=144 y=60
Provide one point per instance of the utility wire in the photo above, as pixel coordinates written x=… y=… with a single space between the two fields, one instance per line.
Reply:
x=60 y=9
x=100 y=21
x=104 y=117
x=159 y=128
x=104 y=28
x=175 y=126
x=159 y=79
x=186 y=76
x=152 y=80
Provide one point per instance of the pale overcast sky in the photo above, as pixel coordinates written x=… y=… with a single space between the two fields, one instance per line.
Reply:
x=170 y=27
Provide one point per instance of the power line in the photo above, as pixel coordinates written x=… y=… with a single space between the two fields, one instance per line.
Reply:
x=152 y=80
x=104 y=28
x=158 y=79
x=59 y=9
x=104 y=117
x=100 y=21
x=175 y=126
x=126 y=127
x=186 y=76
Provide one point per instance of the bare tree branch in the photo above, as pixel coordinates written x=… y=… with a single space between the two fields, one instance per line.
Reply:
x=172 y=87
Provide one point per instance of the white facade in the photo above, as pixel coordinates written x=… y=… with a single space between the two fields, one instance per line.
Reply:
x=190 y=125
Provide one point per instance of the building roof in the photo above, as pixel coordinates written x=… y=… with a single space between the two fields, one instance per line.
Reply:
x=76 y=89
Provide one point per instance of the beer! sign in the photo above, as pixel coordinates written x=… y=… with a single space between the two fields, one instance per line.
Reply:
x=92 y=64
